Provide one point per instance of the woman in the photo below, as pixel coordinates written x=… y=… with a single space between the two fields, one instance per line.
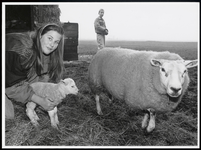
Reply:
x=31 y=57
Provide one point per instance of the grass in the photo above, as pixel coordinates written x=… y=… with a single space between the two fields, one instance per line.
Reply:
x=119 y=126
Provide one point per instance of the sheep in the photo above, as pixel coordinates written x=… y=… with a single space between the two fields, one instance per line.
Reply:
x=147 y=80
x=55 y=92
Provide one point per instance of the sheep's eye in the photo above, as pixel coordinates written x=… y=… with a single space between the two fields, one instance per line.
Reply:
x=162 y=69
x=184 y=73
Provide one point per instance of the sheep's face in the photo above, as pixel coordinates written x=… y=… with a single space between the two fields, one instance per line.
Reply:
x=69 y=86
x=172 y=74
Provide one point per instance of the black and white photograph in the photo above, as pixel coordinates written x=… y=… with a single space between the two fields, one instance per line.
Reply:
x=100 y=75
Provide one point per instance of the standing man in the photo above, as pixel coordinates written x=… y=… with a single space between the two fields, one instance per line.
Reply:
x=100 y=29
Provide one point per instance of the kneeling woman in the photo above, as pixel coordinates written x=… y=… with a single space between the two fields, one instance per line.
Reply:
x=31 y=57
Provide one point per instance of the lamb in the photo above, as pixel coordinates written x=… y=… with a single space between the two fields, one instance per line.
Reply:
x=146 y=80
x=54 y=92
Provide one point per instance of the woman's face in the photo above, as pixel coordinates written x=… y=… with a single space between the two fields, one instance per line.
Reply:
x=49 y=41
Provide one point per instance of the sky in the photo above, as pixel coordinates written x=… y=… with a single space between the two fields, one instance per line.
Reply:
x=136 y=21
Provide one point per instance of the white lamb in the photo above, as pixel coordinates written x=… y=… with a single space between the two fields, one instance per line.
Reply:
x=146 y=80
x=54 y=92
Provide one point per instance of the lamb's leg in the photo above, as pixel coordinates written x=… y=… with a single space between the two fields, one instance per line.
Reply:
x=99 y=111
x=31 y=113
x=52 y=114
x=36 y=116
x=56 y=116
x=151 y=125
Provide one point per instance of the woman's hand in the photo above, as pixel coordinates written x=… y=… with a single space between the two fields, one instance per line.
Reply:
x=46 y=103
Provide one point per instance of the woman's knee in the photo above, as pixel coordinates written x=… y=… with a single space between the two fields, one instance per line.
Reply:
x=9 y=109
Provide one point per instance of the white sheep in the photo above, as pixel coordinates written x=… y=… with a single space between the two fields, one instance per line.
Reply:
x=146 y=80
x=55 y=92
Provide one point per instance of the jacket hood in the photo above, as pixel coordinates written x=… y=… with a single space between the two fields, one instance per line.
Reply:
x=45 y=25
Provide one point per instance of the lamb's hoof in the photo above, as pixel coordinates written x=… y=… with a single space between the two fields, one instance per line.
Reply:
x=35 y=124
x=36 y=117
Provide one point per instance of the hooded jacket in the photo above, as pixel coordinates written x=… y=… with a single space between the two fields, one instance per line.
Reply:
x=20 y=59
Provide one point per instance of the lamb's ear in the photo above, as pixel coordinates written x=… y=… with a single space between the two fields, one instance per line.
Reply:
x=156 y=62
x=62 y=81
x=67 y=81
x=191 y=63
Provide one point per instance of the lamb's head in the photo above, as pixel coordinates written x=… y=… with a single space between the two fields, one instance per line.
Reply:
x=173 y=74
x=68 y=86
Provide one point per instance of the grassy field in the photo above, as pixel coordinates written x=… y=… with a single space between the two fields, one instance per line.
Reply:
x=184 y=49
x=80 y=125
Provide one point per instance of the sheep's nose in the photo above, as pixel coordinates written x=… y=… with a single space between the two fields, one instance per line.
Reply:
x=175 y=90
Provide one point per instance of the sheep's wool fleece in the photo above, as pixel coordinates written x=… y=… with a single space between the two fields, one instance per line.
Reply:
x=128 y=75
x=45 y=89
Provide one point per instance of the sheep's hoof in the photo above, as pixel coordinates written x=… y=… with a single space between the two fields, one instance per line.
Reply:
x=144 y=125
x=150 y=128
x=100 y=113
x=55 y=127
x=57 y=122
x=149 y=120
x=110 y=101
x=151 y=125
x=145 y=121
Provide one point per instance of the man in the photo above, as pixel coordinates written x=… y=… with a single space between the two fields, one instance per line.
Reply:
x=100 y=29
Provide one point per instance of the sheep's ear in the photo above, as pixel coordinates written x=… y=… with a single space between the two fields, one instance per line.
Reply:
x=190 y=63
x=156 y=62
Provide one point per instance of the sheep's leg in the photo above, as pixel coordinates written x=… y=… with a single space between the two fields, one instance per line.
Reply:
x=52 y=118
x=151 y=124
x=31 y=113
x=145 y=120
x=110 y=98
x=99 y=111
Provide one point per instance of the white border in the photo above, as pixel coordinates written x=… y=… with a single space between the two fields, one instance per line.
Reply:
x=3 y=81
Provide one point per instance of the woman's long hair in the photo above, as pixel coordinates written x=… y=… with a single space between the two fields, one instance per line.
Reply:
x=56 y=67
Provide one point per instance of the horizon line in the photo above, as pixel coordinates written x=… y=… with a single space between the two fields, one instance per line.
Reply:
x=137 y=40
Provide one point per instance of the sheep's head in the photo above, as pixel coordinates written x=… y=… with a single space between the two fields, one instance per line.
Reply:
x=173 y=74
x=68 y=86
